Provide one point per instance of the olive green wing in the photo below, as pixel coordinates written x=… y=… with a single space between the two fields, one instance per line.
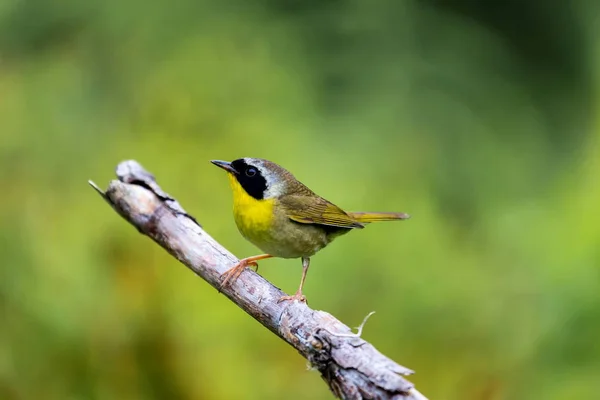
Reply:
x=316 y=210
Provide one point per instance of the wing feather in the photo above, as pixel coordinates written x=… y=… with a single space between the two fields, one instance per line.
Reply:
x=317 y=210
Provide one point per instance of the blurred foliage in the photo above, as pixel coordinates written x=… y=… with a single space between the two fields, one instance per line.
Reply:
x=475 y=117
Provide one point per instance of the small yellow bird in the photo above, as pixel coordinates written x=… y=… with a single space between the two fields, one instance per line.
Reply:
x=284 y=218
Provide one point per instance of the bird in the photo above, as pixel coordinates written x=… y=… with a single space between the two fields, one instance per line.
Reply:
x=284 y=218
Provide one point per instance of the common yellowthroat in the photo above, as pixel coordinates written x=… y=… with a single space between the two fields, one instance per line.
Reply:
x=283 y=217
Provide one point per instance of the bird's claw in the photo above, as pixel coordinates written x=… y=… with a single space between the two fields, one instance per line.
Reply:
x=298 y=296
x=234 y=272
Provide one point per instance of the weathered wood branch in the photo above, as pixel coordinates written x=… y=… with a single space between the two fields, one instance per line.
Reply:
x=351 y=366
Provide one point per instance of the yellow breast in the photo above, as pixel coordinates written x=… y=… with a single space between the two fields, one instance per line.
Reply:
x=254 y=218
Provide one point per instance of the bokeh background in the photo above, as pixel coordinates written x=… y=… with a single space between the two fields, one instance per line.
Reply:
x=476 y=117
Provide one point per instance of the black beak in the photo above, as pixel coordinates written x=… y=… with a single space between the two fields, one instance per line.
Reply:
x=225 y=165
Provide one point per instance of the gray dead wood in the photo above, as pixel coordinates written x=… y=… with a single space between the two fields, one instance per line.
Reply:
x=351 y=366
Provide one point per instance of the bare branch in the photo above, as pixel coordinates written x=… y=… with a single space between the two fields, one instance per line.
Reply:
x=351 y=366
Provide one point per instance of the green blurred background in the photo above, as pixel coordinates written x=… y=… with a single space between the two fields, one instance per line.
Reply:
x=476 y=117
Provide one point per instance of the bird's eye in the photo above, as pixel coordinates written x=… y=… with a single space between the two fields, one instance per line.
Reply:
x=251 y=172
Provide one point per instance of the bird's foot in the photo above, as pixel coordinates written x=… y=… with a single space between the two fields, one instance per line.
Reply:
x=298 y=296
x=234 y=272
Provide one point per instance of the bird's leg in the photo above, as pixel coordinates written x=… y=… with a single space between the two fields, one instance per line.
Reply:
x=299 y=296
x=234 y=272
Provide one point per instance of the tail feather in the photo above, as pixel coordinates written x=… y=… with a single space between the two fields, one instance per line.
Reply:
x=366 y=217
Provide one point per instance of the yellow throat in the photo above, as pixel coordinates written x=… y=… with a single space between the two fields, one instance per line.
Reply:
x=254 y=218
